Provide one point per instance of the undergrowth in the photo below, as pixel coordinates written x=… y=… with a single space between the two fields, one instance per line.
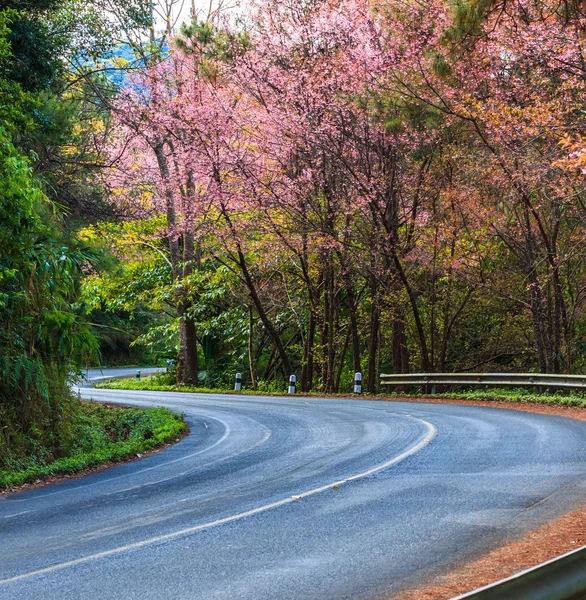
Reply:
x=100 y=434
x=519 y=395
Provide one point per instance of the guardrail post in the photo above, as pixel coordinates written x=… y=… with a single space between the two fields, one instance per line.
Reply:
x=238 y=384
x=292 y=381
x=358 y=383
x=138 y=376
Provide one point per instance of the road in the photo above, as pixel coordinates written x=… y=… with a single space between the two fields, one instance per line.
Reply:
x=92 y=376
x=293 y=498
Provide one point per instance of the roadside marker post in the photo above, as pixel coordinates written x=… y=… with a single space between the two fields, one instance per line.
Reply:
x=358 y=383
x=238 y=384
x=292 y=382
x=138 y=376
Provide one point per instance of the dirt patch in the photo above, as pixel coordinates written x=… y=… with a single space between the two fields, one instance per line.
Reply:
x=572 y=412
x=563 y=535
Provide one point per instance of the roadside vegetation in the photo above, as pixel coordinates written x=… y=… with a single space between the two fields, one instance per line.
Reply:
x=311 y=188
x=166 y=382
x=515 y=395
x=98 y=435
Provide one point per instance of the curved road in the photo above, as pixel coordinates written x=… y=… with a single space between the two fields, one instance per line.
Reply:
x=293 y=498
x=93 y=376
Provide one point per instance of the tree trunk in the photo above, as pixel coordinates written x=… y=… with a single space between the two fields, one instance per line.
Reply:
x=187 y=361
x=306 y=379
x=352 y=310
x=341 y=361
x=373 y=344
x=273 y=333
x=250 y=347
x=399 y=346
x=187 y=357
x=263 y=315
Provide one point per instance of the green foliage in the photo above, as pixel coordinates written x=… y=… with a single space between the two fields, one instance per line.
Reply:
x=211 y=43
x=166 y=382
x=130 y=304
x=468 y=17
x=98 y=435
x=34 y=63
x=42 y=334
x=134 y=301
x=514 y=395
x=523 y=396
x=441 y=66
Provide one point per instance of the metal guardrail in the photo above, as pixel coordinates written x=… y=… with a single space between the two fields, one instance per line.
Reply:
x=483 y=379
x=563 y=578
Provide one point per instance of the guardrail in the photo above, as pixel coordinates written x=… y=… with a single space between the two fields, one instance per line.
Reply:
x=483 y=379
x=563 y=578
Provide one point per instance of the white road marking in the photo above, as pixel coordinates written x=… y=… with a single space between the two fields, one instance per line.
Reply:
x=24 y=512
x=267 y=435
x=431 y=432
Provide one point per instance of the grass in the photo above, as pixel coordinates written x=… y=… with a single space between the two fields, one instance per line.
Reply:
x=519 y=395
x=102 y=434
x=164 y=382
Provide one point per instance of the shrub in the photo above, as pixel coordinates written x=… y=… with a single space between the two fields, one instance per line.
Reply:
x=99 y=435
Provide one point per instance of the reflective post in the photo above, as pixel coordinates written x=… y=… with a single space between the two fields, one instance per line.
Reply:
x=358 y=383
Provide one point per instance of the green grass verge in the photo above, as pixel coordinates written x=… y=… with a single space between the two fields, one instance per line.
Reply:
x=162 y=383
x=519 y=396
x=102 y=434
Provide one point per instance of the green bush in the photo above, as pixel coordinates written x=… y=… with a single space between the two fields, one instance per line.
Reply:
x=99 y=435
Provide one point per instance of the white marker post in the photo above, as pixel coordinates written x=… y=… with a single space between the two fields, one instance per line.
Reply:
x=238 y=384
x=358 y=383
x=292 y=381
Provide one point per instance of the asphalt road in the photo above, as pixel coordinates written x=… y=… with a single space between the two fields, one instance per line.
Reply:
x=245 y=507
x=92 y=376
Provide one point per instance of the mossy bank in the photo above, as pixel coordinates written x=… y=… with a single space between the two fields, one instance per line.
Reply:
x=99 y=435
